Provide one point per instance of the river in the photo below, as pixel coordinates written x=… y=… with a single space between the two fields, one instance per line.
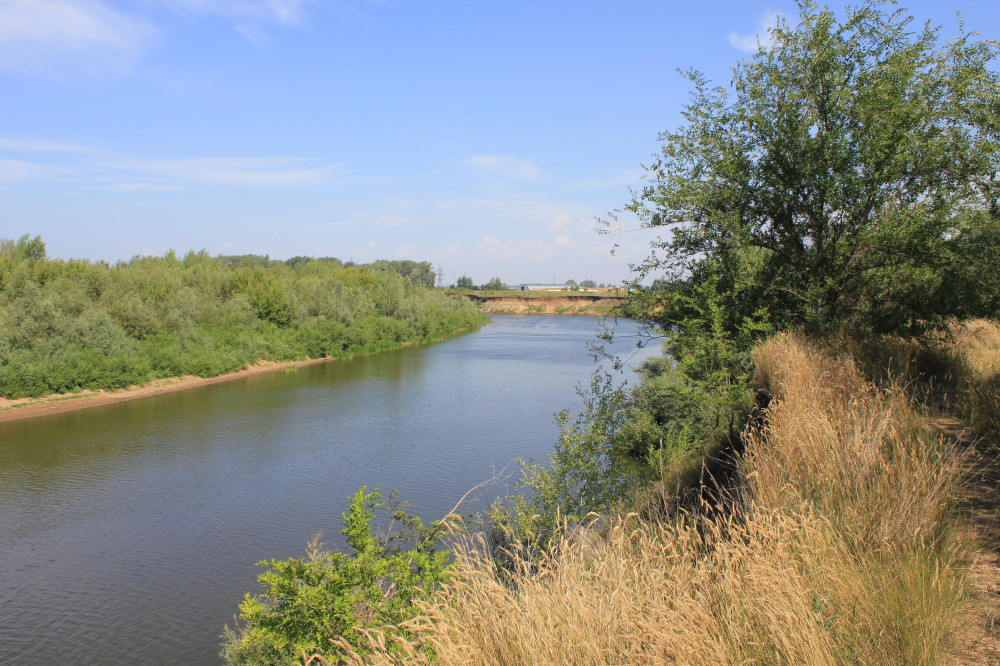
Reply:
x=129 y=533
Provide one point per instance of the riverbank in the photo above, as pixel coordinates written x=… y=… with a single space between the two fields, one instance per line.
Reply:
x=211 y=481
x=813 y=558
x=58 y=403
x=78 y=325
x=568 y=304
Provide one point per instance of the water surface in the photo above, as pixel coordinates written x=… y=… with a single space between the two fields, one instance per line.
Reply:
x=129 y=533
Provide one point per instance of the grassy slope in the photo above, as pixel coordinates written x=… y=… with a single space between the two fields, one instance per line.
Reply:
x=844 y=546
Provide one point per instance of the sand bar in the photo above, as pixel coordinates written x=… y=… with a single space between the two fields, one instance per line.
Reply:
x=57 y=403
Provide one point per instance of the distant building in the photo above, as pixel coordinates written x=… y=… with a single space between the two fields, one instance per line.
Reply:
x=540 y=287
x=551 y=287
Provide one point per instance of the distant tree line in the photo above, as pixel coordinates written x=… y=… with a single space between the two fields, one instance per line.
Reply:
x=75 y=324
x=586 y=284
x=494 y=284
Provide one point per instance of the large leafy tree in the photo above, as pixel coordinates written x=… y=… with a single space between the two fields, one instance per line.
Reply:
x=841 y=182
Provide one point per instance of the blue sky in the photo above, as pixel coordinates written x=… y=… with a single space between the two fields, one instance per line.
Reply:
x=485 y=137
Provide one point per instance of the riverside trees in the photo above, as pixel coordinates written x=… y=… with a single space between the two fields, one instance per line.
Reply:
x=837 y=184
x=70 y=325
x=846 y=180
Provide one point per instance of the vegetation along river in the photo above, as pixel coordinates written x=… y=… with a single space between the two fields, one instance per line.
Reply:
x=129 y=533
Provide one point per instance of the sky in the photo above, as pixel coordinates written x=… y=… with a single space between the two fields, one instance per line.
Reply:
x=487 y=137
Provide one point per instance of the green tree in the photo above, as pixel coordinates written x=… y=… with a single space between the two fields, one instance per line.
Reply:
x=269 y=298
x=465 y=282
x=835 y=186
x=495 y=284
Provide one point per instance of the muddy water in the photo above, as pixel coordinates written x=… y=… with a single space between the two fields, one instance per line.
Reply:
x=129 y=533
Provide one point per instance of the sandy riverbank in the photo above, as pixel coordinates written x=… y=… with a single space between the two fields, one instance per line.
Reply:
x=26 y=408
x=551 y=305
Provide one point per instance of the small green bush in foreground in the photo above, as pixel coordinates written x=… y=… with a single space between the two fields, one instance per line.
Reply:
x=310 y=601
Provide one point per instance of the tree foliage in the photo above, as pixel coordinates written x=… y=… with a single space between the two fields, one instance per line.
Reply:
x=420 y=273
x=310 y=601
x=70 y=325
x=846 y=180
x=839 y=184
x=495 y=284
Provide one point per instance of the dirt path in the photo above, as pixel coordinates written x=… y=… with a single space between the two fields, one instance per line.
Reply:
x=978 y=639
x=26 y=408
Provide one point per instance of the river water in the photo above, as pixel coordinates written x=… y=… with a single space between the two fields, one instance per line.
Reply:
x=129 y=533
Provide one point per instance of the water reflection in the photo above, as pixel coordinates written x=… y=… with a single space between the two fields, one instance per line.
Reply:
x=129 y=533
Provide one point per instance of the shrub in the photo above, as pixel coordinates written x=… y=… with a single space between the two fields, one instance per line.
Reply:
x=311 y=601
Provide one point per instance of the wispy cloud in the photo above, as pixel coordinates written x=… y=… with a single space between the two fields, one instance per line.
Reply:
x=250 y=16
x=564 y=224
x=144 y=187
x=46 y=160
x=66 y=37
x=19 y=170
x=285 y=12
x=501 y=250
x=505 y=165
x=406 y=250
x=258 y=171
x=35 y=146
x=762 y=38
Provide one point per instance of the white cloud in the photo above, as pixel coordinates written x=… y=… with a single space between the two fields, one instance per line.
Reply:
x=288 y=12
x=68 y=162
x=562 y=240
x=256 y=171
x=560 y=221
x=19 y=170
x=505 y=165
x=142 y=187
x=404 y=251
x=253 y=32
x=59 y=37
x=35 y=146
x=767 y=21
x=285 y=12
x=563 y=223
x=497 y=249
x=250 y=15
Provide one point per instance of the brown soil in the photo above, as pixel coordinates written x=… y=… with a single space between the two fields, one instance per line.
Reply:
x=572 y=305
x=978 y=639
x=26 y=408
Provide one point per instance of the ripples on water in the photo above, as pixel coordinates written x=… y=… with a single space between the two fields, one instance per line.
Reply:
x=129 y=533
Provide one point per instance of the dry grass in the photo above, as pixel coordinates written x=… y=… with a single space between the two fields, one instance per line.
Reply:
x=841 y=550
x=978 y=341
x=975 y=352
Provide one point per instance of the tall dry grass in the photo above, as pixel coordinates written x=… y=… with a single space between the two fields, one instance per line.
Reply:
x=840 y=550
x=975 y=353
x=956 y=371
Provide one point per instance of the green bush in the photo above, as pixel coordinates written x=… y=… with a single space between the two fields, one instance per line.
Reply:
x=310 y=601
x=62 y=322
